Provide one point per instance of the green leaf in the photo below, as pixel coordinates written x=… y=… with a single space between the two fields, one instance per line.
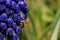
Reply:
x=52 y=26
x=55 y=31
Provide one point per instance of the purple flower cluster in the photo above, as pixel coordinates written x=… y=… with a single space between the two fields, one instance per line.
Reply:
x=11 y=12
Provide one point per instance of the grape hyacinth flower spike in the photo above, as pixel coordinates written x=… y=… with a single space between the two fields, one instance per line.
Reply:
x=12 y=12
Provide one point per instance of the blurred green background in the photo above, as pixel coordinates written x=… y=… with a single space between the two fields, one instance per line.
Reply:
x=43 y=20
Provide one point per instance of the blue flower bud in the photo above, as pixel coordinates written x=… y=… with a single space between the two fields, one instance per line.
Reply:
x=10 y=22
x=2 y=36
x=23 y=16
x=2 y=1
x=20 y=0
x=24 y=10
x=10 y=31
x=2 y=7
x=17 y=8
x=8 y=3
x=13 y=5
x=18 y=19
x=4 y=17
x=3 y=26
x=18 y=14
x=18 y=30
x=15 y=37
x=14 y=26
x=17 y=0
x=15 y=17
x=22 y=4
x=11 y=12
x=7 y=11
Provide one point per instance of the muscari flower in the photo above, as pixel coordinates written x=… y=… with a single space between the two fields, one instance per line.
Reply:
x=11 y=13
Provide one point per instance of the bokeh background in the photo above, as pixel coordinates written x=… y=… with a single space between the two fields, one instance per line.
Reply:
x=43 y=20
